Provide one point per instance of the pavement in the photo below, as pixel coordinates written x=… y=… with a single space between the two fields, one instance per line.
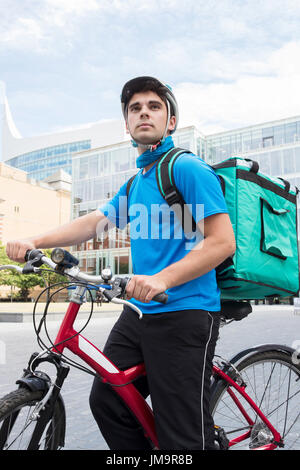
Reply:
x=20 y=312
x=274 y=324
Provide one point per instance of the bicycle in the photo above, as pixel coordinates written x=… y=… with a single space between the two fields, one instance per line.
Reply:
x=33 y=416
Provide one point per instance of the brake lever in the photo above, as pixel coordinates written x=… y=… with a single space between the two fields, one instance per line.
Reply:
x=32 y=263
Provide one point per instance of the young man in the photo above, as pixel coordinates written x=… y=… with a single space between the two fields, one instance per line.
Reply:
x=176 y=340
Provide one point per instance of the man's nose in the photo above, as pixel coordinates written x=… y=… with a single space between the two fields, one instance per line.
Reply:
x=144 y=111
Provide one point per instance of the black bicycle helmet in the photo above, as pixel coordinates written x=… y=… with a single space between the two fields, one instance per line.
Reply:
x=141 y=83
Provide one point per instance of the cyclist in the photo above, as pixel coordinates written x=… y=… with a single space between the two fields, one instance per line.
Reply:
x=176 y=340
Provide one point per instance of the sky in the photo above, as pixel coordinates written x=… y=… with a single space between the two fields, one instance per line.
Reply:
x=230 y=63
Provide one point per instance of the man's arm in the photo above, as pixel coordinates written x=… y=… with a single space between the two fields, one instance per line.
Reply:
x=218 y=244
x=77 y=231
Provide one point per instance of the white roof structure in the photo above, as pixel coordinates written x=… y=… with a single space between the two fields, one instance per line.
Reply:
x=100 y=133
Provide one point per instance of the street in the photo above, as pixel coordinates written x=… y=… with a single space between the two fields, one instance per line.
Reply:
x=266 y=324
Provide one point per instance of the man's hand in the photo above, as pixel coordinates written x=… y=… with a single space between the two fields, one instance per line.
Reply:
x=144 y=288
x=16 y=249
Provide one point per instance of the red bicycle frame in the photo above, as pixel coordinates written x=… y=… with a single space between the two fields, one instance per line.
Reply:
x=68 y=338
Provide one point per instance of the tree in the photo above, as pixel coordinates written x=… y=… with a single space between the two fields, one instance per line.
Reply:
x=24 y=281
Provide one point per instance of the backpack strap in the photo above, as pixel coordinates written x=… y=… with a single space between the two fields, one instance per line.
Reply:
x=129 y=183
x=166 y=185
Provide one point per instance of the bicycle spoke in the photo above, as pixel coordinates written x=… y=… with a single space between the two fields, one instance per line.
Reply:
x=272 y=382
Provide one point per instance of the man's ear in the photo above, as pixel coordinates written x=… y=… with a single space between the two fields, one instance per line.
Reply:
x=126 y=127
x=172 y=123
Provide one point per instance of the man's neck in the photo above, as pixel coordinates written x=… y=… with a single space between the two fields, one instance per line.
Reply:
x=148 y=167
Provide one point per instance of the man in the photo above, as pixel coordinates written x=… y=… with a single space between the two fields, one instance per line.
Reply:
x=176 y=341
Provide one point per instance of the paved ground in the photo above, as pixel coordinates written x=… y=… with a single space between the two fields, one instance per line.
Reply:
x=22 y=311
x=276 y=324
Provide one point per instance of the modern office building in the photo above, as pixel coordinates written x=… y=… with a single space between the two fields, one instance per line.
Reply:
x=100 y=158
x=41 y=156
x=274 y=145
x=98 y=174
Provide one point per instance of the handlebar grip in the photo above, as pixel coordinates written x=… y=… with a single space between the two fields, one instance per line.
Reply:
x=33 y=259
x=32 y=254
x=161 y=298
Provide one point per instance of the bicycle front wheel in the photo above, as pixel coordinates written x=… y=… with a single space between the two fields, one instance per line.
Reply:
x=273 y=382
x=18 y=423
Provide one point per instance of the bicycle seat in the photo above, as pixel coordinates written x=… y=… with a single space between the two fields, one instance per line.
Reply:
x=235 y=310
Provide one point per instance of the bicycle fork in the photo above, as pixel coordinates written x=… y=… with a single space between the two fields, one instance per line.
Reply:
x=40 y=381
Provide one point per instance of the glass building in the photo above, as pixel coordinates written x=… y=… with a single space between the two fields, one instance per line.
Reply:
x=41 y=163
x=101 y=159
x=274 y=145
x=99 y=173
x=43 y=155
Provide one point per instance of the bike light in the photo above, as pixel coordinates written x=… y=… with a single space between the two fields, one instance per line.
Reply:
x=63 y=258
x=58 y=255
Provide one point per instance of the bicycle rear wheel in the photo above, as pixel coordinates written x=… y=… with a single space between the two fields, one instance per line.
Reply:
x=273 y=382
x=17 y=424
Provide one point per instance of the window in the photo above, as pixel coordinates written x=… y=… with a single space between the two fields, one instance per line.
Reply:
x=276 y=163
x=268 y=141
x=288 y=160
x=246 y=141
x=290 y=132
x=279 y=135
x=297 y=158
x=265 y=166
x=256 y=139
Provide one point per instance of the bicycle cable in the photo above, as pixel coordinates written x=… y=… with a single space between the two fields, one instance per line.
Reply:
x=41 y=343
x=48 y=349
x=66 y=359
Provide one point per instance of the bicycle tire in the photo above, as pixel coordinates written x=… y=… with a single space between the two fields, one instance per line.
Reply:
x=272 y=379
x=16 y=407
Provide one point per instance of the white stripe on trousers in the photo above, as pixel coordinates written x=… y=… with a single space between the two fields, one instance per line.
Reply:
x=203 y=375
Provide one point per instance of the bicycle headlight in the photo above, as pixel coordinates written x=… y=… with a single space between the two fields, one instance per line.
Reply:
x=58 y=255
x=63 y=258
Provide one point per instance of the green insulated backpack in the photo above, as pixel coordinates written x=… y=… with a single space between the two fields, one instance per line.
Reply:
x=263 y=213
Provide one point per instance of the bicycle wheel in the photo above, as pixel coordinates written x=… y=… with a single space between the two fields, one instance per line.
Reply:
x=273 y=382
x=17 y=423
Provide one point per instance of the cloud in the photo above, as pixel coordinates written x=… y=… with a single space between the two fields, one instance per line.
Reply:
x=230 y=63
x=25 y=32
x=37 y=29
x=261 y=91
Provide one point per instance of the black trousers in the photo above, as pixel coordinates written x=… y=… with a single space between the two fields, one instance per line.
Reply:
x=177 y=349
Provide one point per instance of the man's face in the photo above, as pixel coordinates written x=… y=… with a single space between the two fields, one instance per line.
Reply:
x=147 y=117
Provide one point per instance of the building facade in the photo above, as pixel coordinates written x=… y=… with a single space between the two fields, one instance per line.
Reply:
x=29 y=207
x=99 y=173
x=41 y=156
x=100 y=158
x=274 y=145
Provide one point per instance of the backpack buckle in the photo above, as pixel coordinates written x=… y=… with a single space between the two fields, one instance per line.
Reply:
x=173 y=198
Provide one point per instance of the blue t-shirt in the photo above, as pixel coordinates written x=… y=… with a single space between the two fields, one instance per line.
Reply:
x=157 y=237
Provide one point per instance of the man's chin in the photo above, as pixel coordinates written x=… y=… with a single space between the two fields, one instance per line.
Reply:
x=146 y=139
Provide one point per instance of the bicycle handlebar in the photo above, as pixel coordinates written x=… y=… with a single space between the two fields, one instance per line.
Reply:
x=68 y=265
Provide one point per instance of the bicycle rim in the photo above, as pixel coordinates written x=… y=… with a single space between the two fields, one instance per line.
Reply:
x=273 y=382
x=17 y=423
